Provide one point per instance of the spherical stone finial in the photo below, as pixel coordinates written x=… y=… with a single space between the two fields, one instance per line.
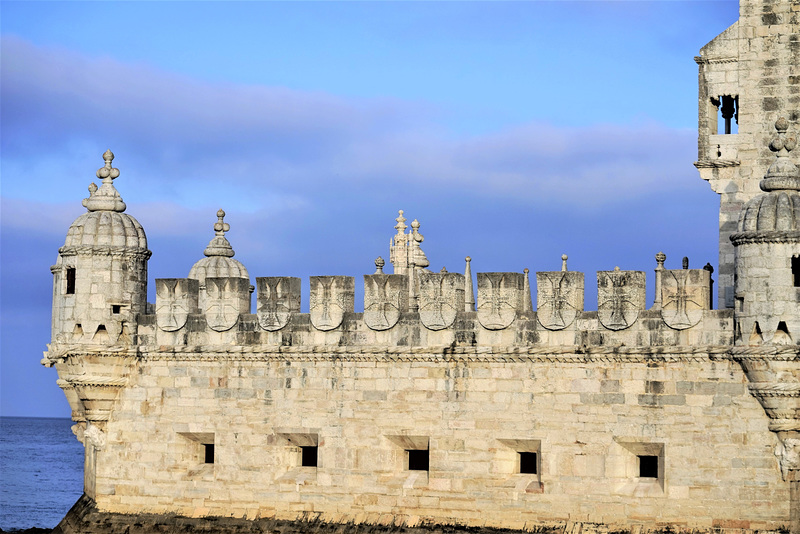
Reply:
x=661 y=258
x=107 y=172
x=379 y=263
x=526 y=270
x=468 y=259
x=564 y=259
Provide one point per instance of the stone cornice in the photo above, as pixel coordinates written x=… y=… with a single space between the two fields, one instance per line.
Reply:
x=700 y=60
x=716 y=163
x=772 y=236
x=109 y=250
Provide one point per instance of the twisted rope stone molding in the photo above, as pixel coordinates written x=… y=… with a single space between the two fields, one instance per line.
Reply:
x=716 y=163
x=715 y=60
x=110 y=250
x=772 y=236
x=779 y=389
x=566 y=353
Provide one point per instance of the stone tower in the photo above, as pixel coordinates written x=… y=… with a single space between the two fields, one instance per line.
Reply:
x=767 y=310
x=748 y=77
x=100 y=277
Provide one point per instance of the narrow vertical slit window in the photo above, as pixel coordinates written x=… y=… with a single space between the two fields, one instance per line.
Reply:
x=208 y=453
x=70 y=280
x=729 y=114
x=309 y=456
x=796 y=271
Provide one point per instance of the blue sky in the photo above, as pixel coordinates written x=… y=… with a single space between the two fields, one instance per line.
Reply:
x=514 y=131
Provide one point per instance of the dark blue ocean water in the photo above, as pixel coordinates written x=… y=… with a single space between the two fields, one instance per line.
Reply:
x=41 y=471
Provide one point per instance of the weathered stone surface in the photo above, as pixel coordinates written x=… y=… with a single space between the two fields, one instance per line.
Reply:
x=226 y=298
x=331 y=298
x=385 y=298
x=441 y=297
x=559 y=298
x=684 y=296
x=620 y=297
x=176 y=298
x=499 y=299
x=278 y=299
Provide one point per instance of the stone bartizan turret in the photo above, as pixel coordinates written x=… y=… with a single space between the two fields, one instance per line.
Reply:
x=99 y=291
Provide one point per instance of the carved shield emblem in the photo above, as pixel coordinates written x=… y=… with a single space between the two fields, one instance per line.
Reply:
x=684 y=296
x=499 y=299
x=223 y=302
x=559 y=298
x=278 y=298
x=331 y=298
x=620 y=296
x=176 y=298
x=441 y=297
x=385 y=298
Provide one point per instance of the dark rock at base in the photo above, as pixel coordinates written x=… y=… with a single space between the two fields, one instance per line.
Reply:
x=84 y=518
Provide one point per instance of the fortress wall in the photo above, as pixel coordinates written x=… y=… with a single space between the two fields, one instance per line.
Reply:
x=587 y=417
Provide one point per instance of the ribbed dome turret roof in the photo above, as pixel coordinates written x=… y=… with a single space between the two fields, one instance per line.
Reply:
x=219 y=262
x=105 y=224
x=778 y=208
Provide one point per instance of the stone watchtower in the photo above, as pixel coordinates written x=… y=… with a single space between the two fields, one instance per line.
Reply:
x=100 y=278
x=748 y=77
x=99 y=292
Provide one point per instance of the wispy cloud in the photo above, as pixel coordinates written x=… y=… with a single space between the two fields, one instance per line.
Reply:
x=269 y=146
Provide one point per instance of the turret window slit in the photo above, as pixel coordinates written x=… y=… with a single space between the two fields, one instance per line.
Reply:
x=70 y=280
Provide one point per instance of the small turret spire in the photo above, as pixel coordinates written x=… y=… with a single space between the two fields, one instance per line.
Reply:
x=106 y=197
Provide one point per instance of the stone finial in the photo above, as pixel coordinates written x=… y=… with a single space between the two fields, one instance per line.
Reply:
x=685 y=262
x=379 y=263
x=416 y=257
x=527 y=301
x=105 y=197
x=401 y=223
x=219 y=245
x=660 y=259
x=220 y=227
x=564 y=259
x=783 y=173
x=415 y=231
x=443 y=271
x=469 y=291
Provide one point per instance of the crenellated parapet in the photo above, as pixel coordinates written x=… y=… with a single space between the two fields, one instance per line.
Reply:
x=503 y=313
